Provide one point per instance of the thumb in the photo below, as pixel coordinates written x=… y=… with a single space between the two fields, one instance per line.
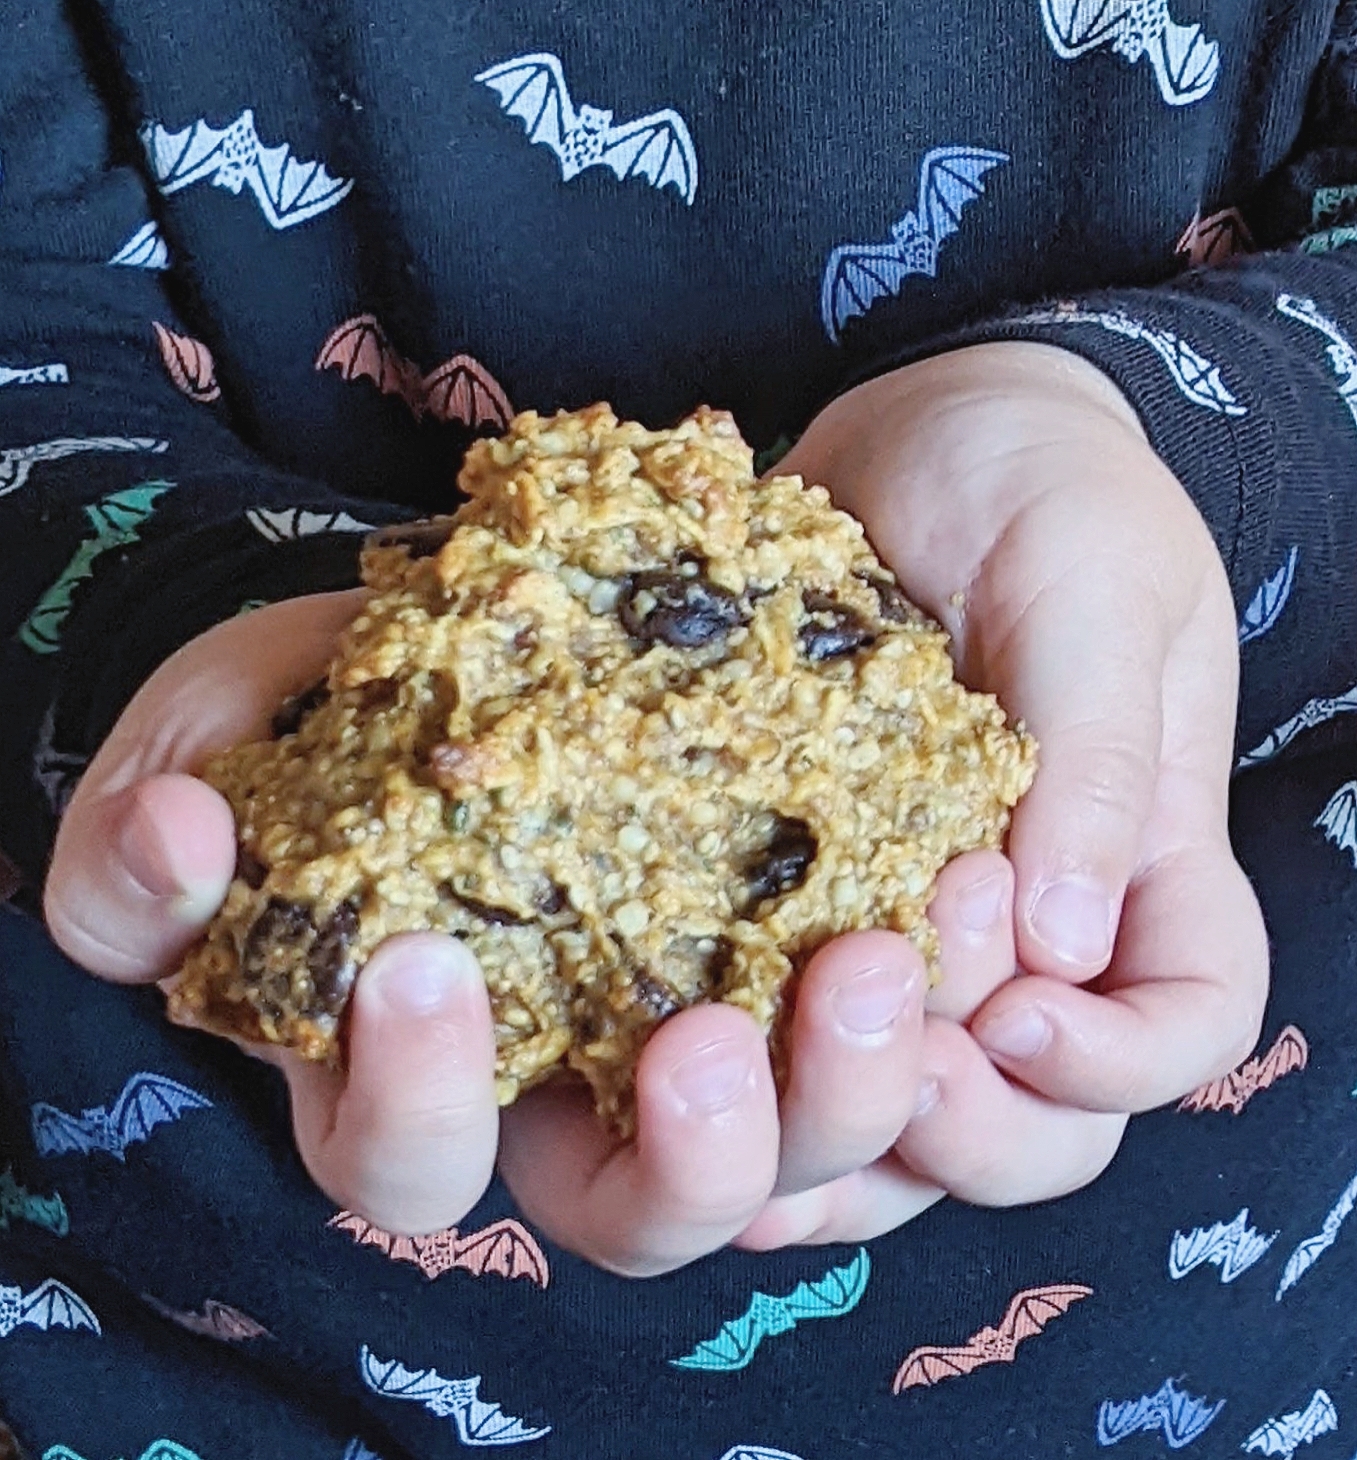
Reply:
x=137 y=873
x=145 y=852
x=1082 y=662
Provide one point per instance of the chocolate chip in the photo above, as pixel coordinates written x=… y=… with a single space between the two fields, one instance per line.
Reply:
x=785 y=863
x=890 y=597
x=654 y=997
x=419 y=539
x=294 y=710
x=251 y=871
x=832 y=629
x=330 y=962
x=683 y=611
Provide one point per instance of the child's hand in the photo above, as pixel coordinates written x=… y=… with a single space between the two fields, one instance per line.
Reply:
x=145 y=854
x=1013 y=491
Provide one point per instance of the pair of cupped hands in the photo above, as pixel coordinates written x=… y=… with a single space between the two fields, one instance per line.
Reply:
x=1110 y=962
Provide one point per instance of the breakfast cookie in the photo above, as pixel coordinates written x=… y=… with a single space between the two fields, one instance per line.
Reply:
x=641 y=729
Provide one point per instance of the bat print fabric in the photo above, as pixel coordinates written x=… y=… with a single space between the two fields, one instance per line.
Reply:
x=266 y=269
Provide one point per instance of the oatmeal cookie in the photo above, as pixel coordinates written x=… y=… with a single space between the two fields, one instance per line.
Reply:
x=641 y=729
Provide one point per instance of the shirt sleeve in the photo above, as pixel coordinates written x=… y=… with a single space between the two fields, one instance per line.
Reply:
x=133 y=514
x=1244 y=373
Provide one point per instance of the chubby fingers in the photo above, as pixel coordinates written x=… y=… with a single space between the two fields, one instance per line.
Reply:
x=702 y=1164
x=994 y=1143
x=972 y=910
x=854 y=1066
x=1082 y=662
x=407 y=1136
x=1181 y=1004
x=145 y=852
x=975 y=1136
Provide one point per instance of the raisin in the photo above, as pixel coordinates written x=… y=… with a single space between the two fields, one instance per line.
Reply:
x=283 y=940
x=550 y=899
x=890 y=597
x=832 y=629
x=784 y=865
x=378 y=694
x=297 y=707
x=654 y=997
x=273 y=947
x=497 y=917
x=419 y=539
x=685 y=612
x=250 y=869
x=330 y=962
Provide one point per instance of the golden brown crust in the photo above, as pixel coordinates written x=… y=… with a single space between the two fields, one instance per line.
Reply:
x=641 y=729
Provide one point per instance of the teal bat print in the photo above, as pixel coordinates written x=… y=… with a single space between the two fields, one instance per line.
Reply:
x=117 y=521
x=16 y=1201
x=837 y=1293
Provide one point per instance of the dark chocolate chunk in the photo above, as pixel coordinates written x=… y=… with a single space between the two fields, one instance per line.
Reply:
x=294 y=710
x=832 y=629
x=890 y=597
x=685 y=612
x=783 y=866
x=251 y=871
x=419 y=539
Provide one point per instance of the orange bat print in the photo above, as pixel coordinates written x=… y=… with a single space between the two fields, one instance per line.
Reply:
x=1028 y=1313
x=461 y=389
x=1233 y=1092
x=505 y=1248
x=1213 y=240
x=188 y=362
x=216 y=1320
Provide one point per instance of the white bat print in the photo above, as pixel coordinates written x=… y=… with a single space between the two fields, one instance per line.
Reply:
x=656 y=147
x=232 y=157
x=1185 y=63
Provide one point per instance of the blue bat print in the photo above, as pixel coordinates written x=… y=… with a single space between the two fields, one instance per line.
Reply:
x=1265 y=607
x=1180 y=1417
x=147 y=1101
x=858 y=274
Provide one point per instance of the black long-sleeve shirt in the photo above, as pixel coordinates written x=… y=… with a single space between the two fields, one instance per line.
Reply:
x=264 y=269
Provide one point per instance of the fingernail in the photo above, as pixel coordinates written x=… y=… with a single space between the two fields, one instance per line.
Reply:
x=871 y=1001
x=712 y=1078
x=1073 y=918
x=928 y=1098
x=144 y=853
x=1017 y=1036
x=415 y=983
x=980 y=907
